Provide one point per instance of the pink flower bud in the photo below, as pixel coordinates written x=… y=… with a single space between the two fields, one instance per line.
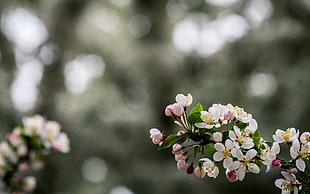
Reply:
x=229 y=115
x=182 y=165
x=174 y=110
x=169 y=110
x=180 y=157
x=293 y=170
x=177 y=149
x=180 y=132
x=276 y=164
x=178 y=110
x=190 y=169
x=200 y=172
x=231 y=176
x=156 y=136
x=23 y=166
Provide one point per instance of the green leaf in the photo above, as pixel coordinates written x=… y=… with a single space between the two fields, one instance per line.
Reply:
x=302 y=176
x=269 y=143
x=258 y=163
x=197 y=108
x=209 y=148
x=256 y=141
x=241 y=125
x=173 y=139
x=256 y=133
x=194 y=118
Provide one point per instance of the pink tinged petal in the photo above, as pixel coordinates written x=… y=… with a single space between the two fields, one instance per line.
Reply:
x=178 y=110
x=219 y=147
x=154 y=130
x=253 y=168
x=218 y=156
x=217 y=137
x=180 y=157
x=200 y=172
x=177 y=149
x=301 y=165
x=251 y=154
x=181 y=99
x=169 y=110
x=227 y=162
x=182 y=165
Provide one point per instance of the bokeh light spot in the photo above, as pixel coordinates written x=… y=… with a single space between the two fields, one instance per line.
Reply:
x=94 y=169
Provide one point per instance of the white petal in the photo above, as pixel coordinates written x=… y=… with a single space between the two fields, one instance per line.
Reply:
x=216 y=172
x=301 y=165
x=219 y=146
x=235 y=165
x=218 y=156
x=227 y=162
x=241 y=174
x=253 y=125
x=275 y=148
x=229 y=144
x=251 y=154
x=237 y=153
x=201 y=125
x=232 y=135
x=279 y=182
x=253 y=168
x=180 y=99
x=154 y=130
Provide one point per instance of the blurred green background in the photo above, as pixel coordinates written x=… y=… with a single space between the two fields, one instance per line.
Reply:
x=106 y=70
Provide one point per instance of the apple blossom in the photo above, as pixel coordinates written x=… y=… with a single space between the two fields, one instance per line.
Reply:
x=156 y=136
x=210 y=167
x=174 y=110
x=183 y=100
x=177 y=149
x=288 y=184
x=285 y=136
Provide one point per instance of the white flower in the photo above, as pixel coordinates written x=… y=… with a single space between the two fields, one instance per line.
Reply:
x=6 y=151
x=305 y=137
x=285 y=136
x=29 y=183
x=241 y=115
x=209 y=166
x=300 y=152
x=217 y=137
x=224 y=152
x=288 y=184
x=61 y=143
x=251 y=128
x=269 y=154
x=245 y=164
x=50 y=131
x=183 y=100
x=156 y=136
x=33 y=124
x=240 y=137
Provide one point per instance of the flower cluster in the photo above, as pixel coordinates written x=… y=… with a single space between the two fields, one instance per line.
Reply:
x=229 y=135
x=22 y=149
